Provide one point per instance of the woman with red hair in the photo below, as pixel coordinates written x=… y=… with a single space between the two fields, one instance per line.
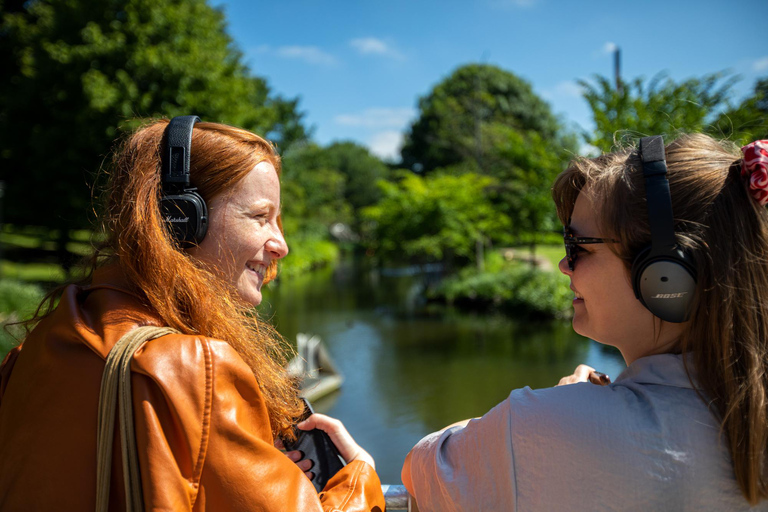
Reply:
x=210 y=401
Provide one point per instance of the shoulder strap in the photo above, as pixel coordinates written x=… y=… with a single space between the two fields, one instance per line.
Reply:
x=117 y=380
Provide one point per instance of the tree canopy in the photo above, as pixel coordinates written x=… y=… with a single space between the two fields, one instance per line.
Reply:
x=453 y=116
x=660 y=106
x=434 y=218
x=77 y=72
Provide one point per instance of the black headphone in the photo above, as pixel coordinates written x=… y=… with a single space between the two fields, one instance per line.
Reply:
x=183 y=209
x=663 y=275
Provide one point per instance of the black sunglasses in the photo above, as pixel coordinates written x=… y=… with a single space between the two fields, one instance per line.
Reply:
x=572 y=244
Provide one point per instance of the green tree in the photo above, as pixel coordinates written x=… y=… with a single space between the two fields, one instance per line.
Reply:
x=748 y=121
x=453 y=117
x=313 y=192
x=361 y=171
x=439 y=217
x=528 y=166
x=661 y=106
x=77 y=72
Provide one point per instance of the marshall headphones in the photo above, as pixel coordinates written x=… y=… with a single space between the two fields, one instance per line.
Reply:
x=181 y=206
x=663 y=275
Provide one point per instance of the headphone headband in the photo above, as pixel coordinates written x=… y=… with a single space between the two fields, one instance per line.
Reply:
x=658 y=196
x=178 y=150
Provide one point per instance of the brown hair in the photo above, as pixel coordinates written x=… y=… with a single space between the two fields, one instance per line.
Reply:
x=185 y=293
x=726 y=232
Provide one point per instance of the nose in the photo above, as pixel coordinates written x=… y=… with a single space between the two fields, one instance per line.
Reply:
x=277 y=244
x=562 y=266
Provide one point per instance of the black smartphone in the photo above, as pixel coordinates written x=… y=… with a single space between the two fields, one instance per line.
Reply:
x=317 y=446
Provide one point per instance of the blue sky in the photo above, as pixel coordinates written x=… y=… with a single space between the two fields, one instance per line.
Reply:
x=359 y=67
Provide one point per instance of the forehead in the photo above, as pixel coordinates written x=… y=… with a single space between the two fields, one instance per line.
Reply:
x=260 y=184
x=584 y=217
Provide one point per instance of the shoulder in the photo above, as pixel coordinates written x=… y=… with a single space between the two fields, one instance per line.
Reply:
x=191 y=357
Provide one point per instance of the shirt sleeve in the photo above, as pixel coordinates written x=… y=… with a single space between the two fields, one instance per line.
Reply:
x=465 y=468
x=207 y=443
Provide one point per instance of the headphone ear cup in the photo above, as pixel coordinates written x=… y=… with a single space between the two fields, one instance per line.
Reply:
x=665 y=284
x=186 y=216
x=637 y=267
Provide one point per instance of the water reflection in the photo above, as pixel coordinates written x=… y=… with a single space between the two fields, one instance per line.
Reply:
x=410 y=369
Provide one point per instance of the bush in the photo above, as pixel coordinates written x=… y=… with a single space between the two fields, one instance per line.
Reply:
x=516 y=287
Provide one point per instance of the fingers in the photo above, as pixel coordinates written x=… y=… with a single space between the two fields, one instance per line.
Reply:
x=303 y=464
x=599 y=378
x=583 y=373
x=343 y=441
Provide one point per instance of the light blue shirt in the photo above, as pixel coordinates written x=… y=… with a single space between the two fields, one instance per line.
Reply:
x=647 y=442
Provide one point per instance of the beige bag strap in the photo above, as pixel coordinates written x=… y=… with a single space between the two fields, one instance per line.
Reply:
x=117 y=380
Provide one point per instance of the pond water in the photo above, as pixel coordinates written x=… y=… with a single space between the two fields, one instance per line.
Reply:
x=411 y=368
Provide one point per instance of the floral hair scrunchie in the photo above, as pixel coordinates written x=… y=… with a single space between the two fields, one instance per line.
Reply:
x=755 y=165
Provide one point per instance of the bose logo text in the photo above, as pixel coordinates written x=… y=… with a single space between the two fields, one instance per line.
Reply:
x=668 y=295
x=176 y=219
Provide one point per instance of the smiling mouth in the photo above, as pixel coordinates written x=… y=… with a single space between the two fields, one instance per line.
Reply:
x=257 y=268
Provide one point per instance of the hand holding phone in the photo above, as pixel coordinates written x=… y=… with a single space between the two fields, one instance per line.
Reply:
x=317 y=446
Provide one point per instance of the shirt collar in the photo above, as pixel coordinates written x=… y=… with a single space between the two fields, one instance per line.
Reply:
x=663 y=369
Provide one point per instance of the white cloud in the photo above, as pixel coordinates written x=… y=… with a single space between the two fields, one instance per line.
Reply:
x=370 y=45
x=567 y=89
x=378 y=118
x=386 y=145
x=310 y=54
x=760 y=64
x=373 y=46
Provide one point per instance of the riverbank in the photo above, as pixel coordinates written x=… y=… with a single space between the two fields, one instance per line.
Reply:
x=511 y=281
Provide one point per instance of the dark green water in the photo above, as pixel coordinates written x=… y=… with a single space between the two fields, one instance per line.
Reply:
x=410 y=369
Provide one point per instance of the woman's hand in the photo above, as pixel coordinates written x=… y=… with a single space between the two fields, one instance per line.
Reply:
x=584 y=373
x=343 y=441
x=296 y=457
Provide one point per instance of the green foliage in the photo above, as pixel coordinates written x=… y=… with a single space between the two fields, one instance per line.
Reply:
x=434 y=218
x=18 y=301
x=77 y=72
x=748 y=121
x=487 y=121
x=453 y=116
x=312 y=193
x=661 y=106
x=527 y=165
x=361 y=171
x=307 y=253
x=327 y=185
x=514 y=287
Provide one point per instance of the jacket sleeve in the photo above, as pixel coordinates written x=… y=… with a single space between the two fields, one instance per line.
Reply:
x=465 y=468
x=207 y=443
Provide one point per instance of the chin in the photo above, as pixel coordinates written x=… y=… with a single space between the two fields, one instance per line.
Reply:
x=251 y=297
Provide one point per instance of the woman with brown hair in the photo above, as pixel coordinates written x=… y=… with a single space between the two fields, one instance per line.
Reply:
x=210 y=401
x=667 y=254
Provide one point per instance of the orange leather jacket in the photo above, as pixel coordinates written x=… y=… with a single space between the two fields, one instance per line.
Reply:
x=202 y=428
